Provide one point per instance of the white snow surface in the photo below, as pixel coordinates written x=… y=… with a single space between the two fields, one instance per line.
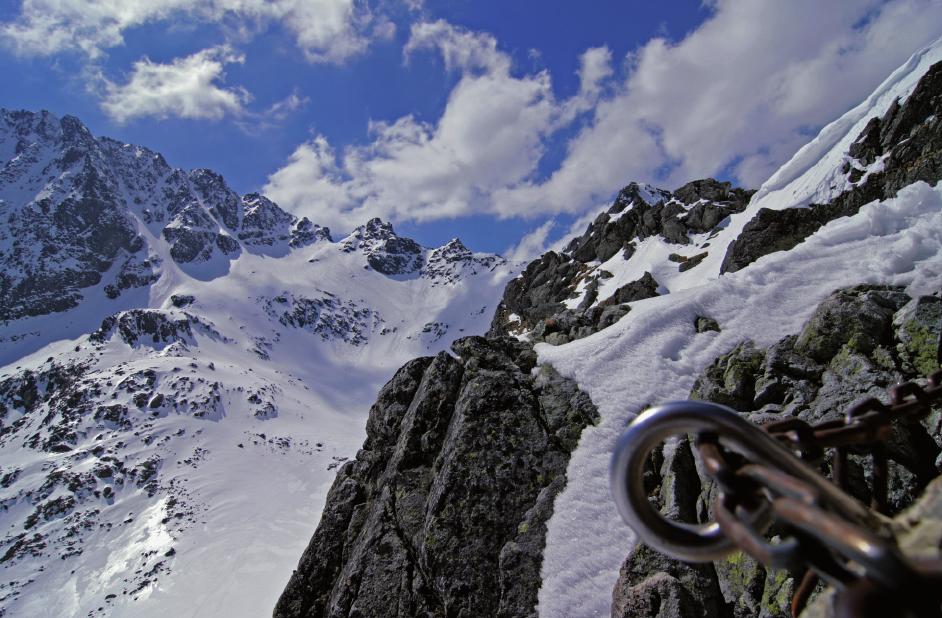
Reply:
x=653 y=354
x=252 y=475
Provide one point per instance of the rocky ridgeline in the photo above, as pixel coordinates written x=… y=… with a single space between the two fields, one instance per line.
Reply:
x=534 y=302
x=443 y=512
x=903 y=147
x=395 y=256
x=72 y=204
x=858 y=343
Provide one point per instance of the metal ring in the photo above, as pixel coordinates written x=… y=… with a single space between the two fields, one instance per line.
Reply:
x=703 y=542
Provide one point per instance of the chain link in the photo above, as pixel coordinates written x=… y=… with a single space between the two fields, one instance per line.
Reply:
x=772 y=482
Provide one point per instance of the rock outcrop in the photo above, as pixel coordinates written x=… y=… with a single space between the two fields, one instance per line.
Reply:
x=639 y=212
x=443 y=512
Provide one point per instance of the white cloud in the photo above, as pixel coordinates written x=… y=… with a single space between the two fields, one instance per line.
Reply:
x=279 y=110
x=532 y=245
x=738 y=93
x=491 y=134
x=595 y=66
x=186 y=87
x=461 y=49
x=325 y=30
x=741 y=90
x=311 y=183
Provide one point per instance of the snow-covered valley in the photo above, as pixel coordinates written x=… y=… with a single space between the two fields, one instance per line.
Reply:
x=167 y=448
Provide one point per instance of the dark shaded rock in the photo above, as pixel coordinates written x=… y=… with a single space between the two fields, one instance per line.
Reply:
x=144 y=325
x=730 y=379
x=637 y=213
x=917 y=327
x=305 y=233
x=692 y=261
x=704 y=324
x=538 y=293
x=443 y=511
x=385 y=252
x=859 y=317
x=59 y=243
x=713 y=191
x=645 y=287
x=182 y=300
x=133 y=273
x=264 y=223
x=650 y=585
x=771 y=231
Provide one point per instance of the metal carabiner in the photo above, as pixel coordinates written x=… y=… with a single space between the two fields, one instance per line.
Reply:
x=704 y=542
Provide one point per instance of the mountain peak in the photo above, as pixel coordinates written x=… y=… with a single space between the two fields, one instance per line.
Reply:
x=377 y=228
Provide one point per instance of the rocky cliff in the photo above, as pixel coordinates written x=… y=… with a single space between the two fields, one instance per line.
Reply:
x=443 y=511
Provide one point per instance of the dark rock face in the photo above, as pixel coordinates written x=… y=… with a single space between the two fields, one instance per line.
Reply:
x=857 y=343
x=263 y=223
x=564 y=325
x=306 y=233
x=538 y=293
x=57 y=246
x=134 y=273
x=639 y=219
x=448 y=263
x=443 y=511
x=326 y=315
x=145 y=325
x=645 y=287
x=909 y=136
x=637 y=213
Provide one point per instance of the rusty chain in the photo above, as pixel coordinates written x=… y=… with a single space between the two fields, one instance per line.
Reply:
x=768 y=481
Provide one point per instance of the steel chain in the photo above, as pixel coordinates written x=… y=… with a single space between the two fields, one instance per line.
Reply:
x=771 y=484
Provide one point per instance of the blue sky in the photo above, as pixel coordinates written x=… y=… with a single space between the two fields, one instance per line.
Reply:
x=482 y=119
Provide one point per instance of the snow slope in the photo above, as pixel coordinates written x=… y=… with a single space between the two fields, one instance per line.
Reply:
x=653 y=354
x=167 y=451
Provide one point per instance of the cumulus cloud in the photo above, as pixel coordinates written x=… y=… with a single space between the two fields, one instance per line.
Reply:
x=739 y=93
x=491 y=134
x=325 y=30
x=310 y=180
x=186 y=87
x=532 y=245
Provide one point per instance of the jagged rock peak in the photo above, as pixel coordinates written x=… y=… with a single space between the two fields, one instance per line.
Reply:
x=454 y=249
x=635 y=193
x=386 y=252
x=378 y=229
x=711 y=190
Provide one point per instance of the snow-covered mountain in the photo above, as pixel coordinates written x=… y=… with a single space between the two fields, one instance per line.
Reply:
x=181 y=370
x=482 y=487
